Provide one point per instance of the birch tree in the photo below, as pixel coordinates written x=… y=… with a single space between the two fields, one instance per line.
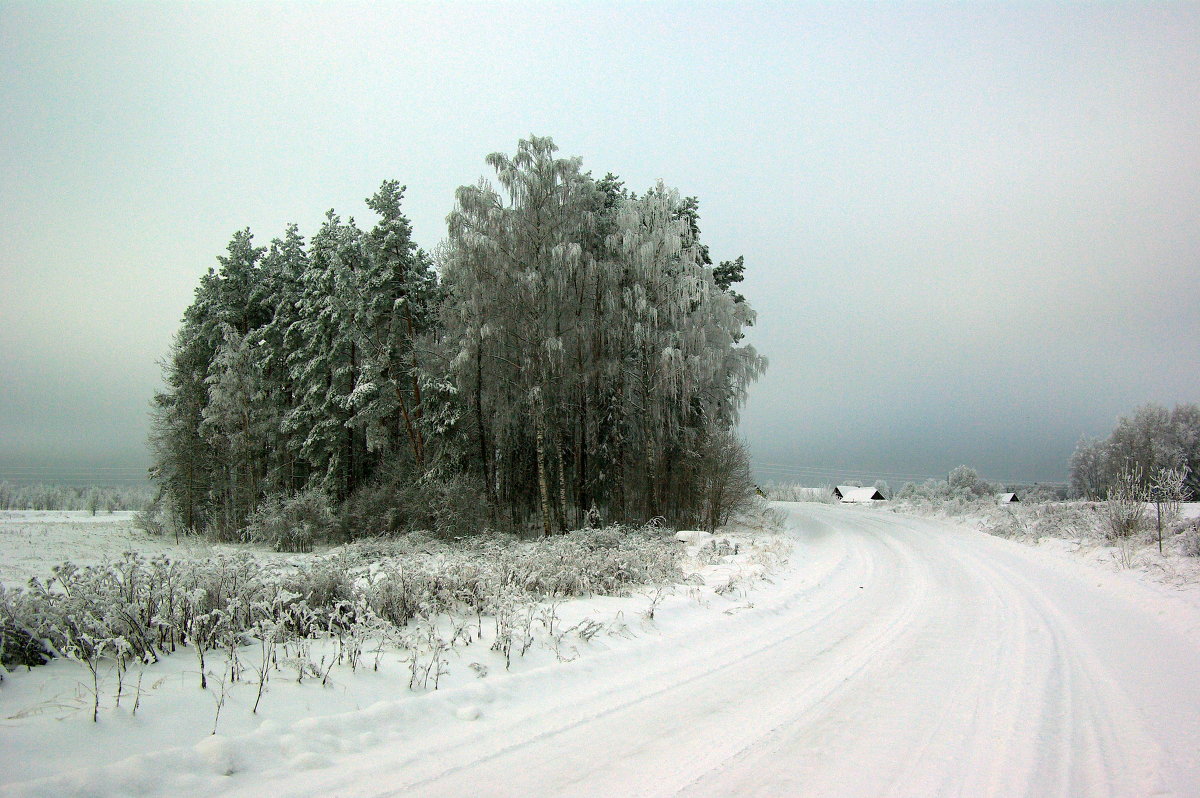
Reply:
x=598 y=351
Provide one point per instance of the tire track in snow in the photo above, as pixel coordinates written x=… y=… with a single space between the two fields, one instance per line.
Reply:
x=900 y=657
x=852 y=650
x=834 y=656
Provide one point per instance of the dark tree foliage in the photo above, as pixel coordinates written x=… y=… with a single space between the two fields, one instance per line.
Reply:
x=294 y=368
x=580 y=356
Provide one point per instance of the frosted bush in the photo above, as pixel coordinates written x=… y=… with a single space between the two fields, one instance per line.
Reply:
x=291 y=523
x=416 y=594
x=1034 y=521
x=1187 y=536
x=400 y=501
x=1126 y=505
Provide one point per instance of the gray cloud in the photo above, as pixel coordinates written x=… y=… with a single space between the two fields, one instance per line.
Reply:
x=971 y=233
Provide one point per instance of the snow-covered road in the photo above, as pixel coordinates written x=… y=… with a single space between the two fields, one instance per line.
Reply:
x=897 y=656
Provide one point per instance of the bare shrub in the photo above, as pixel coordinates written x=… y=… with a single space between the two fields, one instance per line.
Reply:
x=1126 y=505
x=402 y=501
x=291 y=523
x=1167 y=490
x=726 y=485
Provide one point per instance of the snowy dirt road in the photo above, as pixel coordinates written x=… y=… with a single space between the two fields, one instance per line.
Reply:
x=896 y=657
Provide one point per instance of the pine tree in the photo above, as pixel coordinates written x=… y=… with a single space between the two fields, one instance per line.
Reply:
x=395 y=291
x=325 y=365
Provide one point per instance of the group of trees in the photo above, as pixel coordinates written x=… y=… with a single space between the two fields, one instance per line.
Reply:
x=1152 y=445
x=963 y=482
x=93 y=498
x=294 y=368
x=574 y=355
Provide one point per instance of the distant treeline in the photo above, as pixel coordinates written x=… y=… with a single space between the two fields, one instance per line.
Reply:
x=1150 y=446
x=574 y=358
x=95 y=498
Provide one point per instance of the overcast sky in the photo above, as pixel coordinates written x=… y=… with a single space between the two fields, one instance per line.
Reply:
x=971 y=232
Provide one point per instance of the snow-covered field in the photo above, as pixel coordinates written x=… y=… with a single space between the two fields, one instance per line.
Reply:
x=31 y=541
x=892 y=656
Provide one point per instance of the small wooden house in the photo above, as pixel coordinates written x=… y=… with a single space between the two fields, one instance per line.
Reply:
x=850 y=494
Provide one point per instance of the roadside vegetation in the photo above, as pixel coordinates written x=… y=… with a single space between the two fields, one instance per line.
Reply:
x=135 y=611
x=243 y=620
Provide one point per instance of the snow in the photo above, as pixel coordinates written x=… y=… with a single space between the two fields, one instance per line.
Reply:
x=692 y=536
x=32 y=541
x=893 y=655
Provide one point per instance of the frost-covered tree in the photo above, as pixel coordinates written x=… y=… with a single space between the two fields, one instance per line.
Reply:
x=187 y=465
x=516 y=274
x=1089 y=468
x=597 y=351
x=326 y=362
x=580 y=355
x=394 y=293
x=965 y=482
x=1150 y=441
x=279 y=289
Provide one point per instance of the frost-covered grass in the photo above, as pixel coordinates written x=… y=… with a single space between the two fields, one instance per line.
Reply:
x=1084 y=529
x=138 y=609
x=1025 y=521
x=792 y=492
x=93 y=499
x=33 y=541
x=166 y=651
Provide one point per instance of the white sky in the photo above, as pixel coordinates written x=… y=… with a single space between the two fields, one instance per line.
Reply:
x=970 y=231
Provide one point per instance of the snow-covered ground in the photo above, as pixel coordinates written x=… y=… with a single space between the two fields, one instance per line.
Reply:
x=32 y=541
x=1076 y=529
x=160 y=735
x=894 y=655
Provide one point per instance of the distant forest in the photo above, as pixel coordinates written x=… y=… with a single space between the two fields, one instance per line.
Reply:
x=569 y=355
x=94 y=498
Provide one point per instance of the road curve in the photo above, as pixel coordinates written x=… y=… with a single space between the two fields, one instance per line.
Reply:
x=903 y=657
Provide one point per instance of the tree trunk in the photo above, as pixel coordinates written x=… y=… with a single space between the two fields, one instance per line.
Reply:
x=543 y=487
x=651 y=479
x=562 y=487
x=581 y=459
x=413 y=438
x=485 y=459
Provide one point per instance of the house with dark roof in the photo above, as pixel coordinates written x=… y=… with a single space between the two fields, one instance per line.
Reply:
x=849 y=494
